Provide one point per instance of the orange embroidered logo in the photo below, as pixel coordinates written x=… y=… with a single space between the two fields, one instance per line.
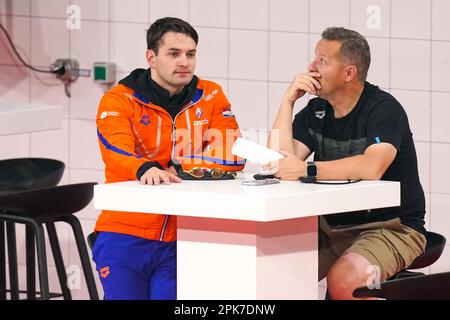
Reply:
x=104 y=272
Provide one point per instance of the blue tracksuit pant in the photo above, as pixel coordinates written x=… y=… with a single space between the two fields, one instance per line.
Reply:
x=133 y=268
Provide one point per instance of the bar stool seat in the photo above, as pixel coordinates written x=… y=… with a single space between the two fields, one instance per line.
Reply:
x=23 y=174
x=35 y=208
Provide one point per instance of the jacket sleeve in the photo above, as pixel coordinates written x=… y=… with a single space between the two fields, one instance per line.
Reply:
x=116 y=137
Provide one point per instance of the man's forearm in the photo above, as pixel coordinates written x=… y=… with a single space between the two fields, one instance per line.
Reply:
x=355 y=167
x=280 y=137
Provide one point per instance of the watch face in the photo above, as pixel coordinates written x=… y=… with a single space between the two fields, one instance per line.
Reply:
x=311 y=170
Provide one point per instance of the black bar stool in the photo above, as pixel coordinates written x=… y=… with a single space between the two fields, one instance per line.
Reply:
x=35 y=208
x=17 y=175
x=414 y=285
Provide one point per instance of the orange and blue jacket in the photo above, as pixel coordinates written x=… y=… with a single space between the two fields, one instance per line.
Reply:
x=134 y=132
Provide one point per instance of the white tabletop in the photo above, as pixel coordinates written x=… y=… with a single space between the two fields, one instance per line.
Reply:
x=228 y=199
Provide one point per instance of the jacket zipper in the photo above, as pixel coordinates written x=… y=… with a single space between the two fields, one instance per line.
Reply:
x=174 y=128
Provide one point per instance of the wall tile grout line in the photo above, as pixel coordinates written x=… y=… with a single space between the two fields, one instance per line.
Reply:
x=390 y=46
x=430 y=171
x=188 y=10
x=228 y=50
x=69 y=102
x=268 y=124
x=233 y=28
x=349 y=14
x=29 y=71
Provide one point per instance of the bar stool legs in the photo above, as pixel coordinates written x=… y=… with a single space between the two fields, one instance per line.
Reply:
x=84 y=255
x=12 y=260
x=41 y=257
x=35 y=236
x=30 y=259
x=2 y=262
x=57 y=255
x=32 y=230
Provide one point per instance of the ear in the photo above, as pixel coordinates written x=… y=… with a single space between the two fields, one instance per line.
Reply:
x=150 y=54
x=351 y=73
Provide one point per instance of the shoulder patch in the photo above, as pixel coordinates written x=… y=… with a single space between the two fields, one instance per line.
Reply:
x=105 y=114
x=211 y=95
x=226 y=112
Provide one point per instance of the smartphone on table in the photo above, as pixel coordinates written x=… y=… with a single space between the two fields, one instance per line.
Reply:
x=259 y=182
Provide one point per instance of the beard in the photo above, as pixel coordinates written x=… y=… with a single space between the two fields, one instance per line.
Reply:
x=181 y=78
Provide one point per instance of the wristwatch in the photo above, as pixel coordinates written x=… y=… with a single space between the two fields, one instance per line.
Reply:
x=311 y=173
x=311 y=169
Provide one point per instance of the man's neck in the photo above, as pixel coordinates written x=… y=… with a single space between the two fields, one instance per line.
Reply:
x=344 y=102
x=171 y=89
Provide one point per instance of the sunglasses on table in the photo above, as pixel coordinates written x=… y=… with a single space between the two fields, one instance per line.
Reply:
x=198 y=173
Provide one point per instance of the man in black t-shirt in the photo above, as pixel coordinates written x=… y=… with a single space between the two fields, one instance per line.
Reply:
x=356 y=131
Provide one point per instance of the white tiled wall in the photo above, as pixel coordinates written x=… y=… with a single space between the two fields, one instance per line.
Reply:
x=128 y=46
x=248 y=54
x=405 y=17
x=406 y=53
x=171 y=8
x=287 y=47
x=289 y=15
x=212 y=61
x=90 y=43
x=207 y=13
x=123 y=11
x=93 y=10
x=440 y=66
x=439 y=21
x=253 y=48
x=49 y=40
x=18 y=28
x=17 y=78
x=48 y=8
x=325 y=13
x=240 y=11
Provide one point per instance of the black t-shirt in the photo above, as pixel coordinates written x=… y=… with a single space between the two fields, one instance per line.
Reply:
x=377 y=117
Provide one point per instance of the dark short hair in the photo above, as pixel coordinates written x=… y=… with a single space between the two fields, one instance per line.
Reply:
x=354 y=48
x=168 y=24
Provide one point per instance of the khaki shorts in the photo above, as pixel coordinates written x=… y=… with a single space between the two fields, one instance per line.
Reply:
x=389 y=245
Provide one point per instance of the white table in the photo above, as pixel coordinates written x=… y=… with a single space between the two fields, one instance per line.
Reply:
x=242 y=242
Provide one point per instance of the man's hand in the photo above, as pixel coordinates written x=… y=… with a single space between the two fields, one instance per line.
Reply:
x=157 y=176
x=288 y=168
x=302 y=83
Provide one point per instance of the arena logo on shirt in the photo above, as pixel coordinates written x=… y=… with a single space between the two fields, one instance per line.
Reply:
x=320 y=114
x=104 y=272
x=105 y=114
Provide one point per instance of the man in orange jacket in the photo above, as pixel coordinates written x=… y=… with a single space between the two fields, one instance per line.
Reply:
x=154 y=123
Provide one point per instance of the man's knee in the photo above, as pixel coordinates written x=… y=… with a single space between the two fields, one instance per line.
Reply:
x=347 y=274
x=340 y=284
